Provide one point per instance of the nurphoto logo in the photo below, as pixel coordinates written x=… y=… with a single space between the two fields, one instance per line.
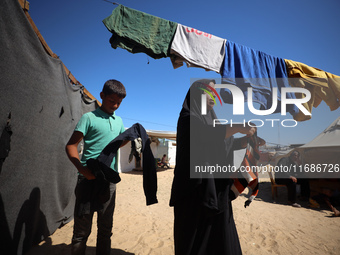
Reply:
x=239 y=102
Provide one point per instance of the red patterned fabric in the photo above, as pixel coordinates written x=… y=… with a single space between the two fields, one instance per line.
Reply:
x=250 y=176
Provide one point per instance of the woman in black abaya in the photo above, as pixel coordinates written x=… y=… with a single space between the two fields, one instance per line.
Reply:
x=203 y=216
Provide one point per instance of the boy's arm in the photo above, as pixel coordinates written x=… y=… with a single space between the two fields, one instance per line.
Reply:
x=73 y=155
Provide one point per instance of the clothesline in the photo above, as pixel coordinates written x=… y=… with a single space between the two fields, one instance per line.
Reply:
x=111 y=2
x=242 y=66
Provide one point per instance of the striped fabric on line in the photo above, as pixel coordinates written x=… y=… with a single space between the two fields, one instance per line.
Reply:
x=250 y=177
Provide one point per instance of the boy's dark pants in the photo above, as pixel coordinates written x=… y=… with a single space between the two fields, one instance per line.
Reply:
x=83 y=224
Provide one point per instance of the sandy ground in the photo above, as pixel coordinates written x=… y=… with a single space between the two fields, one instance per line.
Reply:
x=266 y=227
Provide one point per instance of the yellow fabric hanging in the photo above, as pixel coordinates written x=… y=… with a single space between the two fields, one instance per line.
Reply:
x=322 y=85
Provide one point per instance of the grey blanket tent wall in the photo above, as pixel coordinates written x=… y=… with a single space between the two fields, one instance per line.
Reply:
x=41 y=102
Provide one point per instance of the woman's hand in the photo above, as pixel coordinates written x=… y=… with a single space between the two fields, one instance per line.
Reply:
x=248 y=130
x=261 y=141
x=240 y=128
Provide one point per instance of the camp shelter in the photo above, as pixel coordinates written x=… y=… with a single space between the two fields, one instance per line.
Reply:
x=167 y=147
x=160 y=145
x=166 y=144
x=41 y=103
x=320 y=156
x=324 y=148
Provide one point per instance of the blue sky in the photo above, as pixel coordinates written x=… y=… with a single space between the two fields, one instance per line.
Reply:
x=306 y=31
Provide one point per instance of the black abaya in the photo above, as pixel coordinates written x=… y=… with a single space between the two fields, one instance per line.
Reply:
x=204 y=222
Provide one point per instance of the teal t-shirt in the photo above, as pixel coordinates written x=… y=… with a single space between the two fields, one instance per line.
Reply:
x=99 y=129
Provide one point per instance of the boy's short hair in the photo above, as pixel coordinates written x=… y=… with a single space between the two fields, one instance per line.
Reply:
x=114 y=87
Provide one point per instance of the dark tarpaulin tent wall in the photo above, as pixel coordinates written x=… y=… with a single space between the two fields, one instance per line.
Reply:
x=42 y=107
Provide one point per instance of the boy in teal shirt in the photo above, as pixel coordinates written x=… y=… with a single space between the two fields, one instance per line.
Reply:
x=96 y=129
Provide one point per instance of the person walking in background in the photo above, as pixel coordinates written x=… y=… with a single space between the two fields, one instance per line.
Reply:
x=163 y=162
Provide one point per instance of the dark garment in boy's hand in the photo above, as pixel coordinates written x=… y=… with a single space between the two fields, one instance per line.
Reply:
x=101 y=171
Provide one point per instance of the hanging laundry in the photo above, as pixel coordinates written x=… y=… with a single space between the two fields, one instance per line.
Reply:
x=246 y=67
x=197 y=49
x=137 y=32
x=322 y=85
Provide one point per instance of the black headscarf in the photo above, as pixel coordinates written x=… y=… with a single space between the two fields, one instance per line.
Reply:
x=197 y=142
x=192 y=103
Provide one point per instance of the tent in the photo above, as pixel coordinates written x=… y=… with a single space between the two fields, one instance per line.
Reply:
x=171 y=135
x=320 y=157
x=157 y=149
x=41 y=103
x=324 y=149
x=322 y=154
x=330 y=137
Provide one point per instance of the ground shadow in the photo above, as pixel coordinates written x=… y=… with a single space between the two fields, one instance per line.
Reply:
x=134 y=172
x=265 y=195
x=6 y=241
x=48 y=248
x=163 y=169
x=30 y=226
x=140 y=171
